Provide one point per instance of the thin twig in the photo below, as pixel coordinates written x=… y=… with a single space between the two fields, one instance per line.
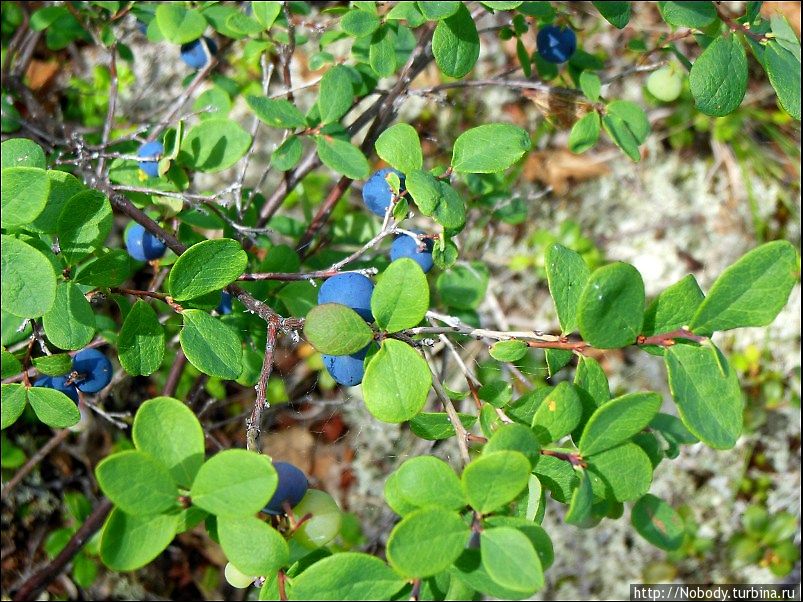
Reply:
x=40 y=455
x=460 y=430
x=34 y=585
x=253 y=423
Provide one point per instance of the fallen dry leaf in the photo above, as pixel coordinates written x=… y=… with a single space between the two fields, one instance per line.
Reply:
x=559 y=168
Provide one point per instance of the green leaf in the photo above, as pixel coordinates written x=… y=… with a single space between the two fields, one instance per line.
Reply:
x=276 y=112
x=718 y=78
x=582 y=501
x=137 y=483
x=657 y=522
x=244 y=24
x=393 y=497
x=622 y=473
x=53 y=365
x=567 y=274
x=210 y=345
x=751 y=292
x=615 y=13
x=287 y=154
x=674 y=307
x=400 y=147
x=214 y=145
x=24 y=195
x=70 y=322
x=502 y=5
x=428 y=481
x=558 y=414
x=130 y=542
x=342 y=157
x=396 y=382
x=495 y=479
x=382 y=51
x=29 y=280
x=234 y=483
x=251 y=545
x=591 y=85
x=514 y=437
x=205 y=267
x=63 y=187
x=592 y=388
x=585 y=133
x=14 y=398
x=346 y=576
x=434 y=11
x=437 y=198
x=401 y=297
x=359 y=23
x=455 y=43
x=445 y=535
x=179 y=24
x=627 y=125
x=336 y=94
x=618 y=420
x=510 y=560
x=335 y=329
x=168 y=430
x=489 y=148
x=783 y=71
x=266 y=12
x=141 y=344
x=611 y=306
x=694 y=15
x=21 y=152
x=557 y=476
x=556 y=360
x=434 y=426
x=673 y=431
x=11 y=365
x=111 y=268
x=508 y=351
x=463 y=286
x=53 y=407
x=84 y=224
x=707 y=393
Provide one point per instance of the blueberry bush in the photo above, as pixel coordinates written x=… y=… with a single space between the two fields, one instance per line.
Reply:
x=202 y=243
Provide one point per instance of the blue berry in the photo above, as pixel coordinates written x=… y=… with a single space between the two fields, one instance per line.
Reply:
x=556 y=45
x=194 y=54
x=142 y=245
x=224 y=307
x=376 y=194
x=59 y=383
x=347 y=370
x=94 y=370
x=291 y=488
x=350 y=289
x=406 y=246
x=150 y=149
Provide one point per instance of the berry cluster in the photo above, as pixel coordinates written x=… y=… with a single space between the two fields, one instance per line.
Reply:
x=91 y=371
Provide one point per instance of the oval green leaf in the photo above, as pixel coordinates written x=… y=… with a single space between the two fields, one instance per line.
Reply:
x=335 y=329
x=611 y=306
x=205 y=267
x=396 y=382
x=234 y=483
x=210 y=345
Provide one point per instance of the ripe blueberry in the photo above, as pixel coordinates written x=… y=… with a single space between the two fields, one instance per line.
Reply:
x=194 y=53
x=350 y=289
x=94 y=370
x=59 y=383
x=376 y=194
x=556 y=45
x=291 y=488
x=347 y=370
x=224 y=307
x=406 y=246
x=142 y=245
x=151 y=149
